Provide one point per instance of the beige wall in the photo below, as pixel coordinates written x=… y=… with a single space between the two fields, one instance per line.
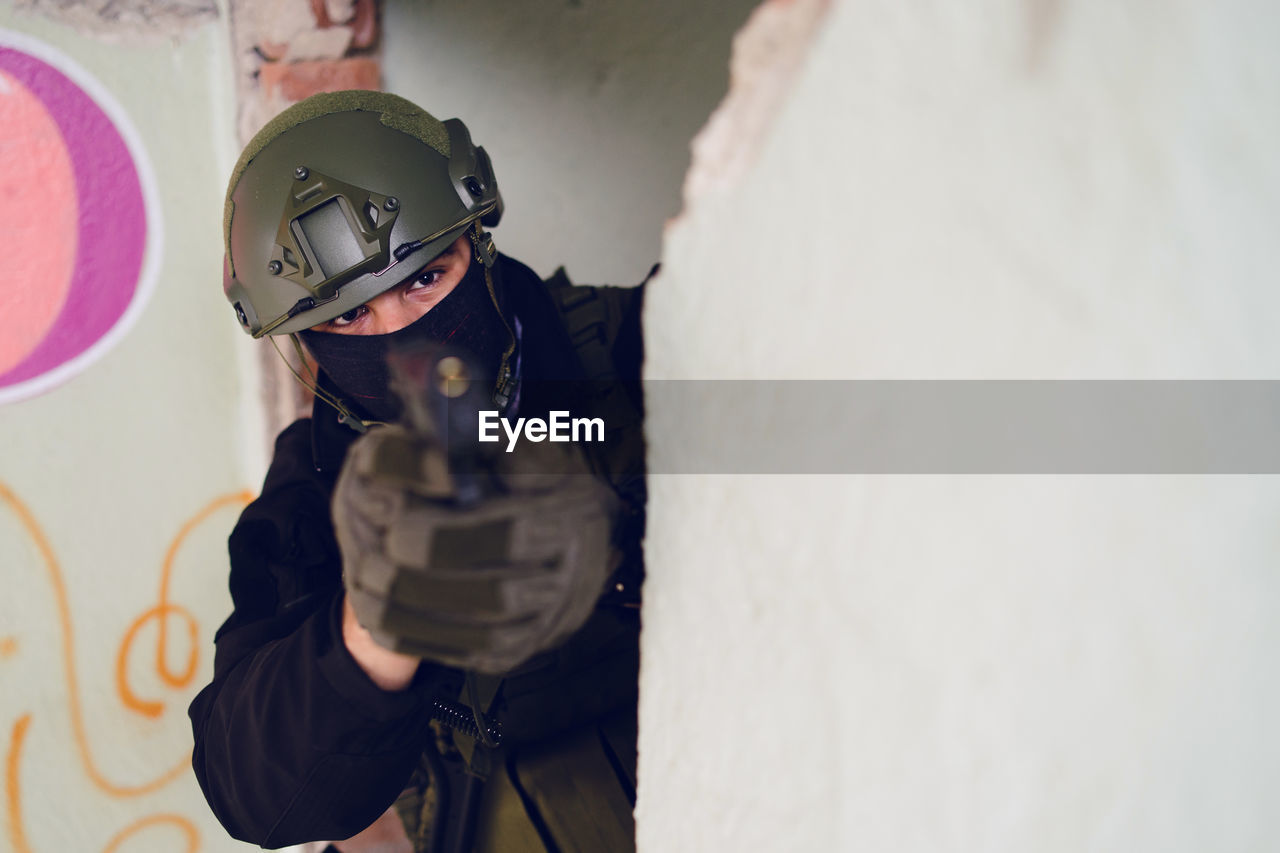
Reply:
x=119 y=484
x=1008 y=190
x=586 y=109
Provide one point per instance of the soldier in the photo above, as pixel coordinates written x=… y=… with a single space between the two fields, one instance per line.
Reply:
x=428 y=644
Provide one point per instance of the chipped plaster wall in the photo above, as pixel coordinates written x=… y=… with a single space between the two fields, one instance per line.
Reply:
x=586 y=108
x=119 y=483
x=282 y=52
x=124 y=21
x=1051 y=189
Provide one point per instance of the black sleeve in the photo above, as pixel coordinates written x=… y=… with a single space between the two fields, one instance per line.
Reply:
x=293 y=742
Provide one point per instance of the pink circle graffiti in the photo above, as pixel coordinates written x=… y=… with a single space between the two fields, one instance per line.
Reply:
x=74 y=219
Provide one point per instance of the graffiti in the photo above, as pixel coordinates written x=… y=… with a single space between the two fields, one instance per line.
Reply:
x=160 y=613
x=13 y=791
x=79 y=227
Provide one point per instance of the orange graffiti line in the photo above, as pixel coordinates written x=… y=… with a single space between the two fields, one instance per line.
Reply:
x=146 y=707
x=69 y=663
x=182 y=680
x=17 y=832
x=13 y=793
x=161 y=612
x=187 y=827
x=8 y=647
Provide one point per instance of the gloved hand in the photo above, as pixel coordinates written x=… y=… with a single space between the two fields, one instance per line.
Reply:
x=483 y=586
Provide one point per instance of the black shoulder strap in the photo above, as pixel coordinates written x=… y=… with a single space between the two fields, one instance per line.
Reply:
x=594 y=319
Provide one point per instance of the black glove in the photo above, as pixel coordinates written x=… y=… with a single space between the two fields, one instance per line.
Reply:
x=483 y=586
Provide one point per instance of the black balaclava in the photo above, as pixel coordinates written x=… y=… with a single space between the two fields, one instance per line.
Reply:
x=357 y=364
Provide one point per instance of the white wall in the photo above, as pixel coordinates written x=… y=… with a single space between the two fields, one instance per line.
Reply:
x=128 y=473
x=1005 y=190
x=586 y=108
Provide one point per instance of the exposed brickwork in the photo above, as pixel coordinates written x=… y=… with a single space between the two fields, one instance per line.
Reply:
x=293 y=81
x=361 y=16
x=287 y=50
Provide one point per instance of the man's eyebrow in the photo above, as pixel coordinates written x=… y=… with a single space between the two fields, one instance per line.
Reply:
x=438 y=259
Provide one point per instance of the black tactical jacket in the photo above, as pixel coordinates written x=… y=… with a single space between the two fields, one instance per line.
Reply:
x=293 y=742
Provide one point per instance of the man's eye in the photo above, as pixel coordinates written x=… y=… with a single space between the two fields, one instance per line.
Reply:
x=429 y=278
x=349 y=317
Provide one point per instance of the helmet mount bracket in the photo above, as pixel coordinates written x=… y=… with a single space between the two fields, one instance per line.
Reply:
x=330 y=233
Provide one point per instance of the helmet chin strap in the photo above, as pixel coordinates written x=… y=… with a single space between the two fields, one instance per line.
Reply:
x=486 y=254
x=345 y=415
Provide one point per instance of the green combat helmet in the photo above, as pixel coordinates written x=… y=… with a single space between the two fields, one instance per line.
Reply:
x=343 y=196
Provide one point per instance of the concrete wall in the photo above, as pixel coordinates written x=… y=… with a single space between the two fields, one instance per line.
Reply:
x=586 y=108
x=1052 y=189
x=127 y=444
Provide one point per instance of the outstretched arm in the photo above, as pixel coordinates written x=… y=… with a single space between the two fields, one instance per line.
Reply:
x=294 y=741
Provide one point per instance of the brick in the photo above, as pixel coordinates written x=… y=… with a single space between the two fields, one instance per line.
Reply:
x=364 y=25
x=293 y=81
x=329 y=43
